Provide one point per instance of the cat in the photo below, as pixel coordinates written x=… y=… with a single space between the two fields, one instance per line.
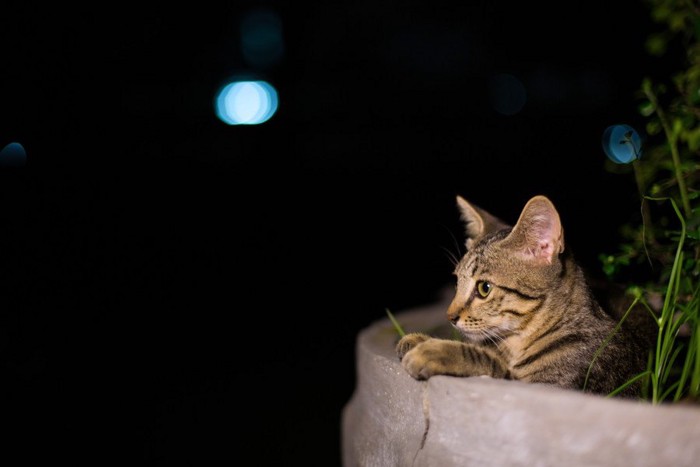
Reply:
x=527 y=312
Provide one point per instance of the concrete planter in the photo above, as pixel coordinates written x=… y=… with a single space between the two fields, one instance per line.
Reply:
x=394 y=420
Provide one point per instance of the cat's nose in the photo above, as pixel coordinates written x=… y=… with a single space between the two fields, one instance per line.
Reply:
x=453 y=312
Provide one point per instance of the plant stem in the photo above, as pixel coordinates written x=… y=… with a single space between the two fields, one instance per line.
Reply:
x=695 y=379
x=673 y=146
x=396 y=324
x=646 y=213
x=667 y=333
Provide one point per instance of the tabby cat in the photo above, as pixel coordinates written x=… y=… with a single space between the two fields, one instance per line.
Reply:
x=526 y=311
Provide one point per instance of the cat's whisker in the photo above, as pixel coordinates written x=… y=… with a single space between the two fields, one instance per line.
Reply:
x=492 y=340
x=493 y=336
x=450 y=256
x=456 y=243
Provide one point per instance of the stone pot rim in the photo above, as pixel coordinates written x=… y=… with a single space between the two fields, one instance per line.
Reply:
x=392 y=419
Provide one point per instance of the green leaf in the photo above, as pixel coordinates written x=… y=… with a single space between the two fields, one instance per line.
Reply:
x=646 y=108
x=656 y=45
x=396 y=324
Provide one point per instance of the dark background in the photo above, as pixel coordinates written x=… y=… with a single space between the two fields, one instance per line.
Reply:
x=177 y=291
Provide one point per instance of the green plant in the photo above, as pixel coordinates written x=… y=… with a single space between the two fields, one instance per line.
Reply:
x=453 y=332
x=396 y=324
x=665 y=241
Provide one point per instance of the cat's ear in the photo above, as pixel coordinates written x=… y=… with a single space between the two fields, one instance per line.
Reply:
x=477 y=222
x=538 y=234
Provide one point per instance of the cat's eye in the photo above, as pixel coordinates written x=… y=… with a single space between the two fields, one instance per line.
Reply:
x=484 y=288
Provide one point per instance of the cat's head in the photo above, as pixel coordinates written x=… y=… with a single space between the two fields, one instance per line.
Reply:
x=506 y=271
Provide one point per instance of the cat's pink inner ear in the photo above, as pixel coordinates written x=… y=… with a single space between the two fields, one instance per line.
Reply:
x=539 y=230
x=542 y=241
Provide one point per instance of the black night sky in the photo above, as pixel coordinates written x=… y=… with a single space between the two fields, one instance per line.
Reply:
x=179 y=291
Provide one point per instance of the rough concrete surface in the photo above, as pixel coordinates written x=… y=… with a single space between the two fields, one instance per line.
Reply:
x=394 y=420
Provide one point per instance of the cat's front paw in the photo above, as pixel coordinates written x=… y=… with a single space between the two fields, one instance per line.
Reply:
x=408 y=342
x=435 y=357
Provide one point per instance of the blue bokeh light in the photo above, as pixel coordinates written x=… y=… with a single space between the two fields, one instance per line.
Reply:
x=246 y=102
x=622 y=144
x=508 y=95
x=13 y=155
x=262 y=42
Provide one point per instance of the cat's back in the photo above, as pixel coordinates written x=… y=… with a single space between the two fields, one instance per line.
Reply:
x=576 y=342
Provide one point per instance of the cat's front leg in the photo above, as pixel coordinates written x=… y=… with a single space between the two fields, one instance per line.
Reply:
x=428 y=357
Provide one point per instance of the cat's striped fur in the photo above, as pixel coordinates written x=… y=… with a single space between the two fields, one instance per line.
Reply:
x=526 y=311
